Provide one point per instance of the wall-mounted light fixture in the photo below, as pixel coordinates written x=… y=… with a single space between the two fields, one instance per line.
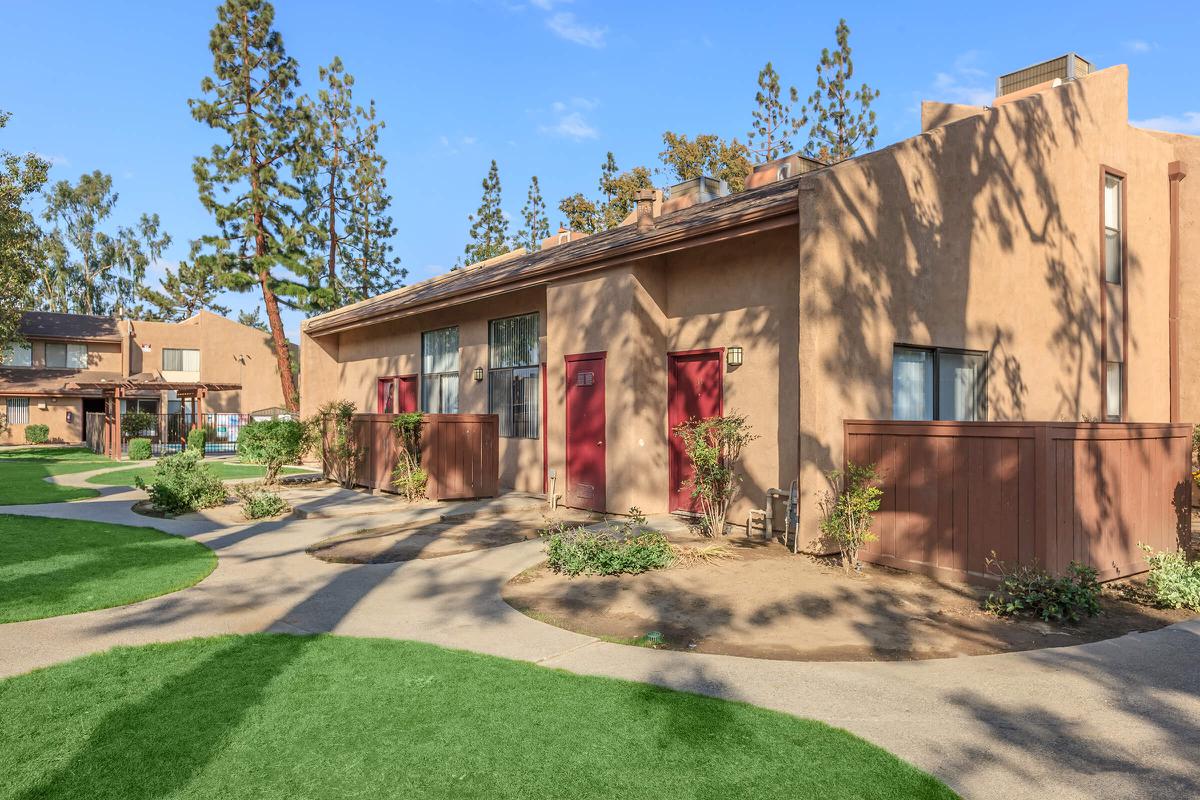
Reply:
x=733 y=356
x=478 y=374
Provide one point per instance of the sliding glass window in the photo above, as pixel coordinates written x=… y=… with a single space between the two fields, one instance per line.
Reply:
x=439 y=371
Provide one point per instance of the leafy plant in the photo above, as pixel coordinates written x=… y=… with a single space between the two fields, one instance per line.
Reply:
x=37 y=434
x=1173 y=580
x=137 y=423
x=272 y=443
x=408 y=477
x=606 y=551
x=714 y=446
x=332 y=430
x=1030 y=590
x=196 y=439
x=258 y=502
x=846 y=509
x=3 y=424
x=139 y=449
x=182 y=482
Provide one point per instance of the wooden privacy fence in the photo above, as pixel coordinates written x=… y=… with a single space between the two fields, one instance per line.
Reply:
x=954 y=492
x=459 y=452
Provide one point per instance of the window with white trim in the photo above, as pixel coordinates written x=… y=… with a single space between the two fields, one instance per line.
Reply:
x=938 y=383
x=514 y=375
x=1114 y=246
x=439 y=371
x=66 y=356
x=1114 y=389
x=17 y=355
x=179 y=360
x=17 y=409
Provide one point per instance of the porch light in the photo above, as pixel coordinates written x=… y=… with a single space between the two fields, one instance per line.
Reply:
x=733 y=356
x=478 y=373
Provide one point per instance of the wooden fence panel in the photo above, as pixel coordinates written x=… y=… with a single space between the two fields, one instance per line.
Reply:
x=955 y=492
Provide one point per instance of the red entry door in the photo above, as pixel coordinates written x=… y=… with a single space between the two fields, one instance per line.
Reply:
x=397 y=394
x=585 y=432
x=693 y=391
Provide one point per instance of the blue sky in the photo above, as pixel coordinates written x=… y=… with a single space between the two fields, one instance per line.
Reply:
x=545 y=87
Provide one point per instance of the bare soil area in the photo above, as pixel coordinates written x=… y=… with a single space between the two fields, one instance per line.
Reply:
x=445 y=536
x=767 y=603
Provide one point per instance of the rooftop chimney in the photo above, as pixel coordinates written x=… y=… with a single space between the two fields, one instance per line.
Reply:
x=645 y=209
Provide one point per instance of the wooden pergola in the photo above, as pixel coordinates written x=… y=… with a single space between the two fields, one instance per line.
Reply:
x=117 y=390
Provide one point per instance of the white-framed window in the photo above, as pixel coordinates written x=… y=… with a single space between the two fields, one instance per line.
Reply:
x=175 y=359
x=938 y=383
x=439 y=371
x=17 y=355
x=66 y=356
x=514 y=375
x=1114 y=389
x=17 y=409
x=1114 y=245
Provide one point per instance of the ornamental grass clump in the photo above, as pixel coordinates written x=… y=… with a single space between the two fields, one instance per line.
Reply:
x=714 y=446
x=183 y=483
x=1029 y=590
x=1173 y=580
x=847 y=509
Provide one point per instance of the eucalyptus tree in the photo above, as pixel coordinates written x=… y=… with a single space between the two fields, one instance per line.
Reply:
x=21 y=178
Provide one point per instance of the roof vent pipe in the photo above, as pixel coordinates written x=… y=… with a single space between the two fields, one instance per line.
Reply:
x=645 y=209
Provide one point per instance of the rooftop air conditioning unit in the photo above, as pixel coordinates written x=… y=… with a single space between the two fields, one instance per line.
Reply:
x=1065 y=68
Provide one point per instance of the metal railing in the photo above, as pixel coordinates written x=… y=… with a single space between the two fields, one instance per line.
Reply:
x=168 y=432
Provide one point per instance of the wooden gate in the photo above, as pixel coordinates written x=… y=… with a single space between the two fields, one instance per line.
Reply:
x=1045 y=492
x=459 y=452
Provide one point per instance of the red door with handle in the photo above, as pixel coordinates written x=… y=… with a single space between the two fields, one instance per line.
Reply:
x=693 y=391
x=397 y=394
x=586 y=461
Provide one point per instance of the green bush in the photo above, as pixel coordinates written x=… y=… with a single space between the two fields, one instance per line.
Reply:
x=272 y=443
x=37 y=434
x=137 y=423
x=1173 y=581
x=1031 y=590
x=408 y=477
x=182 y=483
x=714 y=446
x=139 y=449
x=331 y=432
x=847 y=509
x=584 y=551
x=196 y=440
x=258 y=502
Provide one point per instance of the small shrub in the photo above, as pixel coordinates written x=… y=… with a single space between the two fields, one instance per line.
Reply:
x=137 y=423
x=331 y=430
x=846 y=509
x=37 y=434
x=258 y=502
x=408 y=477
x=182 y=483
x=196 y=439
x=139 y=449
x=1029 y=590
x=272 y=443
x=584 y=551
x=1173 y=581
x=3 y=424
x=714 y=446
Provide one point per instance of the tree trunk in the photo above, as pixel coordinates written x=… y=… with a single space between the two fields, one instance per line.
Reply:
x=333 y=237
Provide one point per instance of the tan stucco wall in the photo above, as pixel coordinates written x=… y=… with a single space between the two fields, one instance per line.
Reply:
x=102 y=356
x=54 y=415
x=982 y=234
x=229 y=353
x=346 y=367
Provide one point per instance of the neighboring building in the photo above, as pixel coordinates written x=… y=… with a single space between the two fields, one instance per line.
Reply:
x=36 y=379
x=1035 y=260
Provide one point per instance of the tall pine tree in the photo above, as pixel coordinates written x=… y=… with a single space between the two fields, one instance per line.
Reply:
x=184 y=291
x=838 y=128
x=370 y=268
x=770 y=132
x=88 y=269
x=535 y=226
x=21 y=177
x=489 y=227
x=247 y=181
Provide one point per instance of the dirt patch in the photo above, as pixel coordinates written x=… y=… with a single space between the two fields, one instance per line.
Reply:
x=444 y=536
x=767 y=603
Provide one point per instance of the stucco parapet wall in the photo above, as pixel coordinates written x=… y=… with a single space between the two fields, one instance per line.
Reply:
x=748 y=212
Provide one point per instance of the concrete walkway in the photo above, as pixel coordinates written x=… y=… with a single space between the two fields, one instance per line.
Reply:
x=1115 y=719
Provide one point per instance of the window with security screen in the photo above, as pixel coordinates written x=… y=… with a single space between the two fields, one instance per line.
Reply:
x=514 y=375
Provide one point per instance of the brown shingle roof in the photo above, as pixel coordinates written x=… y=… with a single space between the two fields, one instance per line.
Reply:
x=24 y=380
x=52 y=325
x=774 y=200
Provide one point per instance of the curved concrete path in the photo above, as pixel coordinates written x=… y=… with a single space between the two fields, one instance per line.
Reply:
x=1115 y=719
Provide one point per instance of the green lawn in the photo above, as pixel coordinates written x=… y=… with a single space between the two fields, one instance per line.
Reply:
x=56 y=566
x=222 y=469
x=277 y=716
x=22 y=471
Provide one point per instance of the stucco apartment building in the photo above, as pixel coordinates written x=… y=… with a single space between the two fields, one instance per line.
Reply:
x=37 y=378
x=1038 y=259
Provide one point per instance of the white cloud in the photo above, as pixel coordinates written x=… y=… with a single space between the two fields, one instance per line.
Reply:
x=1139 y=46
x=547 y=5
x=469 y=140
x=53 y=160
x=572 y=126
x=1187 y=122
x=961 y=87
x=566 y=26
